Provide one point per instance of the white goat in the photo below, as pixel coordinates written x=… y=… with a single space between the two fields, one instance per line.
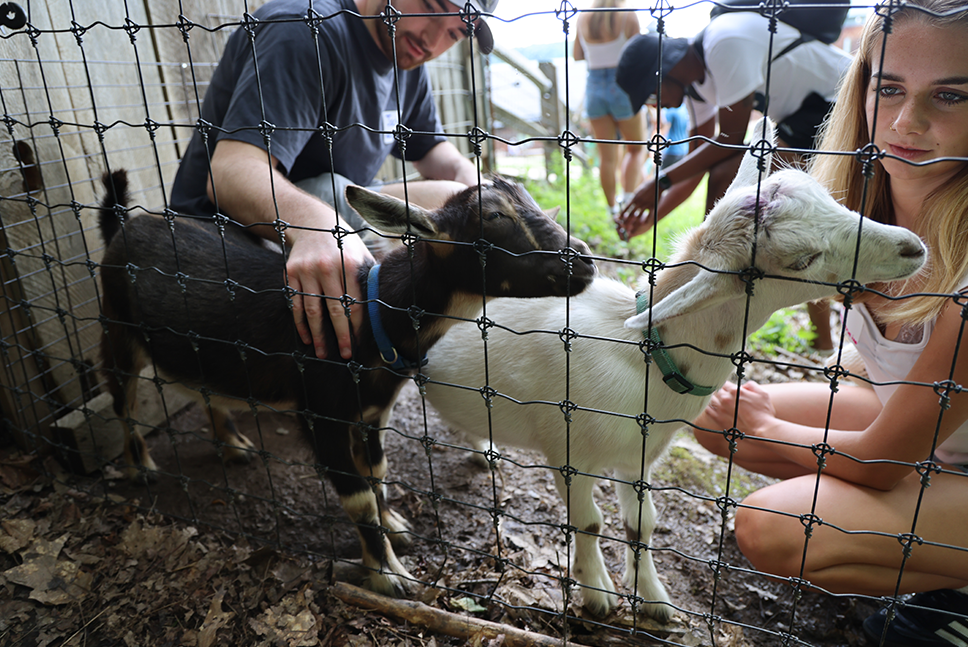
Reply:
x=699 y=305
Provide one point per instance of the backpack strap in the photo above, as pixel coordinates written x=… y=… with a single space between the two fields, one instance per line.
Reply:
x=759 y=99
x=804 y=38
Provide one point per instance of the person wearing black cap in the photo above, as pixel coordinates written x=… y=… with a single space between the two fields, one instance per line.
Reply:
x=300 y=74
x=721 y=76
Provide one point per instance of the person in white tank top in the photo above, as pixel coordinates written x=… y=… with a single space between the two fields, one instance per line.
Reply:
x=852 y=512
x=601 y=36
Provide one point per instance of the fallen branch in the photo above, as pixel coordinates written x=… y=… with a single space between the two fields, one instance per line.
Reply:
x=440 y=621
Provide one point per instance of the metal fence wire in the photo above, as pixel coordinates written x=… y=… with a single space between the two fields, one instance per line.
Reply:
x=88 y=88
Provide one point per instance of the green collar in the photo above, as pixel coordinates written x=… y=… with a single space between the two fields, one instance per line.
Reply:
x=670 y=372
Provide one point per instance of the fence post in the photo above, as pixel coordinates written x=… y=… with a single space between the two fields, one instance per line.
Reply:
x=550 y=113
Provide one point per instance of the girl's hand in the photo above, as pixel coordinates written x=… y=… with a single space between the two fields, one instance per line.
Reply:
x=755 y=411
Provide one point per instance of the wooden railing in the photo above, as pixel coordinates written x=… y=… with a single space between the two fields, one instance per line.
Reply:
x=550 y=127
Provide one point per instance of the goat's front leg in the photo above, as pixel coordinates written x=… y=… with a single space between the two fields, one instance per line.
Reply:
x=640 y=573
x=589 y=563
x=359 y=484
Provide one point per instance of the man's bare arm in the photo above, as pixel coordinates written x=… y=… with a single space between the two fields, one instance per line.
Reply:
x=251 y=191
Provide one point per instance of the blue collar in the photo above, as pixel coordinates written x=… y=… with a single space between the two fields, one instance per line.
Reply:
x=387 y=351
x=670 y=372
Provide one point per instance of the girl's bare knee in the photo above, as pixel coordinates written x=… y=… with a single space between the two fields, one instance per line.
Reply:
x=762 y=537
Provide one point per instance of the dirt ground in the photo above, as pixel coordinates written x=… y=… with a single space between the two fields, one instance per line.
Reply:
x=245 y=554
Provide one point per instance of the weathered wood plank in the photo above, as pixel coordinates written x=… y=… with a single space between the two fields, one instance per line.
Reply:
x=44 y=234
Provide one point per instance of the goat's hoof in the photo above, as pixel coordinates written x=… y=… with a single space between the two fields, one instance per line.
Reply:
x=661 y=613
x=598 y=596
x=598 y=605
x=239 y=450
x=390 y=584
x=399 y=539
x=398 y=528
x=237 y=455
x=659 y=607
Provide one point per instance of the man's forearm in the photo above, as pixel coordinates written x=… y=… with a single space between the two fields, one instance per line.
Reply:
x=445 y=162
x=249 y=190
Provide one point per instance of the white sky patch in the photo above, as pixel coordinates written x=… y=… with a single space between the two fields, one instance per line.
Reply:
x=526 y=22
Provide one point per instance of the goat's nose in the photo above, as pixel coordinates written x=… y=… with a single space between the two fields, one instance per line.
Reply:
x=911 y=249
x=579 y=246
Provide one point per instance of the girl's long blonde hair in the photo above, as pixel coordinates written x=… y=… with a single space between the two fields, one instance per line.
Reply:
x=943 y=221
x=605 y=24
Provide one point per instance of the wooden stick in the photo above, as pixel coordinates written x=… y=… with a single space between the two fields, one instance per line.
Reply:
x=445 y=622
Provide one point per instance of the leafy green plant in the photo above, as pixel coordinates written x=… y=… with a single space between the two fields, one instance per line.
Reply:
x=784 y=330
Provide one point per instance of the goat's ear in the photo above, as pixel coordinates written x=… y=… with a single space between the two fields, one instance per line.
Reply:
x=749 y=171
x=553 y=213
x=390 y=214
x=704 y=290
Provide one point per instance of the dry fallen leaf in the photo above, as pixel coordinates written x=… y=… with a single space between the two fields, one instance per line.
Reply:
x=16 y=533
x=51 y=581
x=290 y=623
x=215 y=620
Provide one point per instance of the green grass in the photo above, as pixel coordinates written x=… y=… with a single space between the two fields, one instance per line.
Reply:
x=584 y=210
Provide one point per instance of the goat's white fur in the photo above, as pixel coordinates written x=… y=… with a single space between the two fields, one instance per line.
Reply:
x=608 y=377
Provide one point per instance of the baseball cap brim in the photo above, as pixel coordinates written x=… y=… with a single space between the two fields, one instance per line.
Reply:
x=482 y=32
x=638 y=66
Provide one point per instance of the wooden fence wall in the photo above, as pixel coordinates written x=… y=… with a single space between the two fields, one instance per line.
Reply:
x=87 y=86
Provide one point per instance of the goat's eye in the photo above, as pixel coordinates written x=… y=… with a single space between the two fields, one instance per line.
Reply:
x=493 y=215
x=804 y=262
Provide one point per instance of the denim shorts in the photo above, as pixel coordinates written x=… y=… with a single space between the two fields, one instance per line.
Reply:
x=603 y=97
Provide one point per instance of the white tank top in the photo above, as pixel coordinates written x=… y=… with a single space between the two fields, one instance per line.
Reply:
x=602 y=55
x=887 y=361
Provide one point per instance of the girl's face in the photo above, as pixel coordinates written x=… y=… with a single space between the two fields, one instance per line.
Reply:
x=922 y=101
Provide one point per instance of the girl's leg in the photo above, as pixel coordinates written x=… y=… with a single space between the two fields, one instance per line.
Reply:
x=605 y=128
x=859 y=547
x=632 y=130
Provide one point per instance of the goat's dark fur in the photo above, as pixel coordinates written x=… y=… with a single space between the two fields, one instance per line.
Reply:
x=210 y=310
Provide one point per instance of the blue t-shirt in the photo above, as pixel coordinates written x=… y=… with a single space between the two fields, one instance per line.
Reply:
x=340 y=78
x=678 y=120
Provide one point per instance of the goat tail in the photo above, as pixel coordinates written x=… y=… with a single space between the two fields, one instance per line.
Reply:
x=115 y=198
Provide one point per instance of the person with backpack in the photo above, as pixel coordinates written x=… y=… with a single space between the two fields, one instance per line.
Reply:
x=731 y=68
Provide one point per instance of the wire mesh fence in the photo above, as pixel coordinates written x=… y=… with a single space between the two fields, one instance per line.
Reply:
x=583 y=457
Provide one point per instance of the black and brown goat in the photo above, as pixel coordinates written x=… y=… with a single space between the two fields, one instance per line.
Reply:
x=211 y=312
